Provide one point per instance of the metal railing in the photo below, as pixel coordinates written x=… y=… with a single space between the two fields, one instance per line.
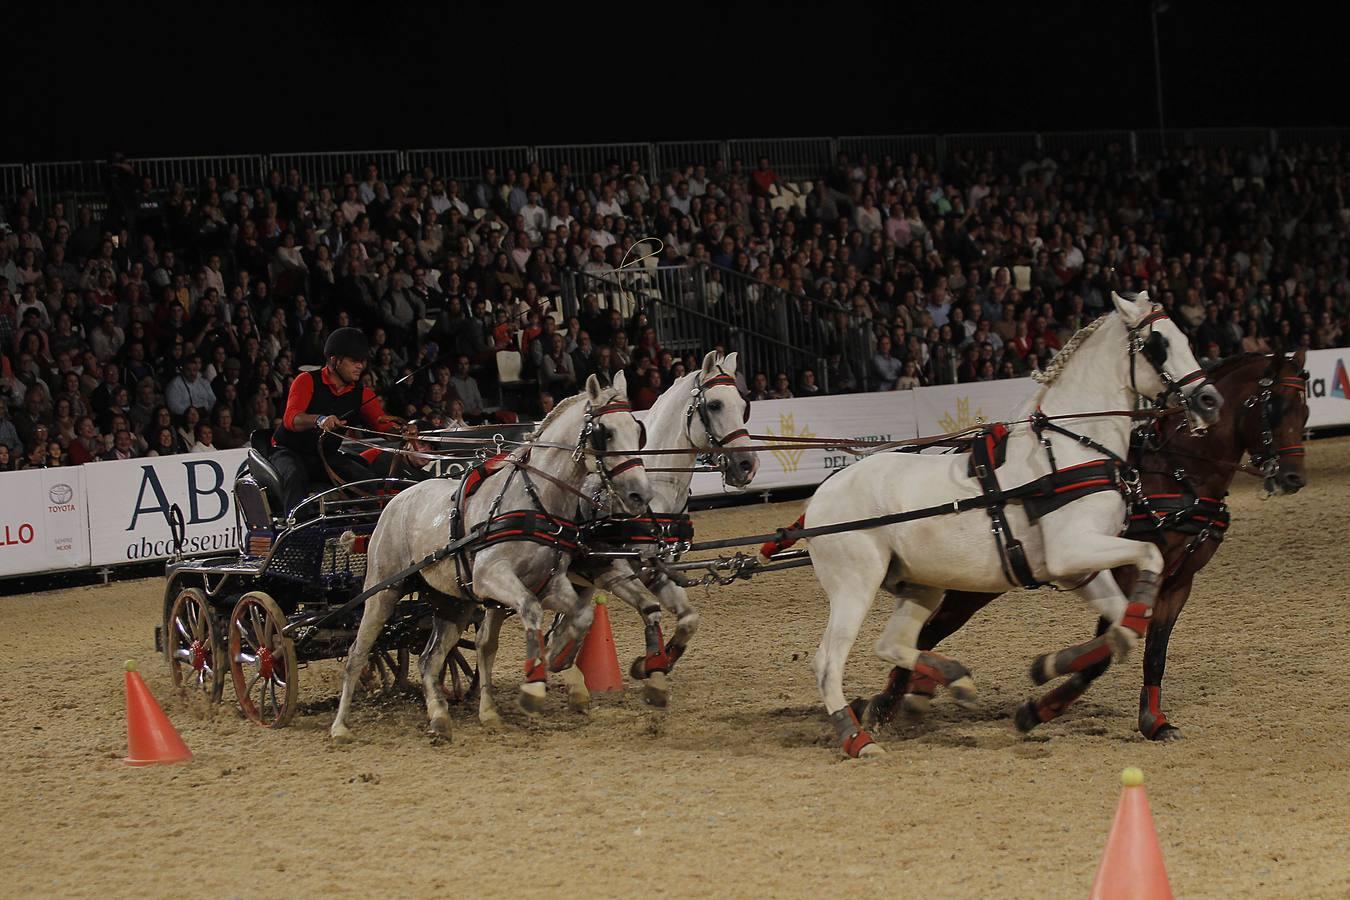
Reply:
x=693 y=310
x=794 y=159
x=584 y=159
x=329 y=168
x=467 y=165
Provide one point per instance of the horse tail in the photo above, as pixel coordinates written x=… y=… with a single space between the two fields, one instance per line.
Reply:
x=769 y=548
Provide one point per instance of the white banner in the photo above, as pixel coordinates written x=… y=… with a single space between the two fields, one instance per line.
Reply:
x=885 y=416
x=952 y=407
x=1328 y=388
x=43 y=521
x=130 y=500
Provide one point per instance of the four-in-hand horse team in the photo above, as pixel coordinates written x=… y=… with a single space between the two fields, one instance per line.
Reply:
x=1109 y=484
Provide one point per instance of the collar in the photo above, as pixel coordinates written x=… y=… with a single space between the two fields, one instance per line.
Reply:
x=334 y=385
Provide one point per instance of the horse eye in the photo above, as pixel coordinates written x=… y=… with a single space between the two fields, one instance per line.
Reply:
x=715 y=405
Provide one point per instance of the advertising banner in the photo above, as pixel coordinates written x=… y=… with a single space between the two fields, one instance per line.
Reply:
x=130 y=502
x=1328 y=388
x=952 y=407
x=43 y=521
x=885 y=416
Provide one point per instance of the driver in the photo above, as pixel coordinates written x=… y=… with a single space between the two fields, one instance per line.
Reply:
x=318 y=404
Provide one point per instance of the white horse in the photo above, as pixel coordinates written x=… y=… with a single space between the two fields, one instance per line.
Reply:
x=1107 y=365
x=526 y=562
x=702 y=412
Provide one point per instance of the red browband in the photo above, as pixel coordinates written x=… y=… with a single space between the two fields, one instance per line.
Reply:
x=719 y=380
x=613 y=407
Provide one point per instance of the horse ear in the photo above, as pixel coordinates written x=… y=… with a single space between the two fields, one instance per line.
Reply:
x=1130 y=310
x=620 y=384
x=729 y=363
x=593 y=388
x=1301 y=358
x=710 y=362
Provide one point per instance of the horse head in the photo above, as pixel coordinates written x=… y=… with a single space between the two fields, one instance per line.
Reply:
x=1169 y=369
x=718 y=419
x=614 y=437
x=1271 y=423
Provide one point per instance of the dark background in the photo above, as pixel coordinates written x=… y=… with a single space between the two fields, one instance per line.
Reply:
x=180 y=80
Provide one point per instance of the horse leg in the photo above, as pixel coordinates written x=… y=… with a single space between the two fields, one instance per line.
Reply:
x=952 y=614
x=445 y=631
x=651 y=669
x=1053 y=704
x=675 y=599
x=485 y=642
x=1152 y=723
x=377 y=612
x=898 y=643
x=1099 y=553
x=567 y=637
x=851 y=585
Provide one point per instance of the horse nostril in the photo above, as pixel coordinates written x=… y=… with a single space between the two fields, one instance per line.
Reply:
x=746 y=466
x=1208 y=401
x=636 y=498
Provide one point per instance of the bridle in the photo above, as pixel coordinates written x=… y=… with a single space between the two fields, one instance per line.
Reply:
x=699 y=405
x=594 y=437
x=1153 y=346
x=1271 y=402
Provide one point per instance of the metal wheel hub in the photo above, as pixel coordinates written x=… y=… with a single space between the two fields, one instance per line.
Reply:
x=265 y=664
x=198 y=655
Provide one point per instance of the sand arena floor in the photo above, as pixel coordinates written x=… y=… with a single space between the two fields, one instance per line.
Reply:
x=736 y=789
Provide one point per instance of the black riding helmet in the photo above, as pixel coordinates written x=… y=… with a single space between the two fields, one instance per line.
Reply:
x=347 y=342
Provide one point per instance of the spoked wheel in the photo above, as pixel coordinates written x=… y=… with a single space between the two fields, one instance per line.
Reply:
x=386 y=672
x=459 y=677
x=194 y=648
x=262 y=661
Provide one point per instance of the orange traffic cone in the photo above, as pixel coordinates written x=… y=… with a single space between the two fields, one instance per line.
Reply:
x=1132 y=866
x=598 y=660
x=151 y=738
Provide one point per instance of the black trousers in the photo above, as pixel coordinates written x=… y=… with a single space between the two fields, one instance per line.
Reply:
x=298 y=471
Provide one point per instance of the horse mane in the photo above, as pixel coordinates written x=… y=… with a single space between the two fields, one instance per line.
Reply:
x=559 y=408
x=1048 y=375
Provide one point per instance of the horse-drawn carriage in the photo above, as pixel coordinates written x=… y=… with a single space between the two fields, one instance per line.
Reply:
x=251 y=612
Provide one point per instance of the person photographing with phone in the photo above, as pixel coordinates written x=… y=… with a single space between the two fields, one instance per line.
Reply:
x=320 y=404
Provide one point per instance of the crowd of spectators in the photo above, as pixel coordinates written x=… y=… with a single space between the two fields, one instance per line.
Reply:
x=170 y=319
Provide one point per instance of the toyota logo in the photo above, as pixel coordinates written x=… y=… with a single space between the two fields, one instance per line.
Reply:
x=61 y=493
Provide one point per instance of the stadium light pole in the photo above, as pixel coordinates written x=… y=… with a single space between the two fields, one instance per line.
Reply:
x=1156 y=7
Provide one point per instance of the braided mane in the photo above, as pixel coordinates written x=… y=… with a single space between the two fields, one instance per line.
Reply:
x=1048 y=375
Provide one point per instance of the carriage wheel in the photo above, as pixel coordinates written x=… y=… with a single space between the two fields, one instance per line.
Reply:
x=194 y=648
x=459 y=677
x=385 y=672
x=262 y=661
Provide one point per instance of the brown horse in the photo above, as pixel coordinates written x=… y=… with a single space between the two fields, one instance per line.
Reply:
x=1185 y=479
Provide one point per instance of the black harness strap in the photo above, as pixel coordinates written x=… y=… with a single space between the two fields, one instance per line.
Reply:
x=987 y=452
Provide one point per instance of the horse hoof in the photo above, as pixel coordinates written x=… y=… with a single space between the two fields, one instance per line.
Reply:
x=1043 y=668
x=1121 y=640
x=341 y=734
x=531 y=699
x=491 y=720
x=656 y=690
x=916 y=704
x=871 y=751
x=1167 y=734
x=638 y=670
x=440 y=726
x=579 y=702
x=964 y=692
x=1026 y=717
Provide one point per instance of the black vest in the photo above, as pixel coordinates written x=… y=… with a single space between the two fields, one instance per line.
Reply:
x=323 y=402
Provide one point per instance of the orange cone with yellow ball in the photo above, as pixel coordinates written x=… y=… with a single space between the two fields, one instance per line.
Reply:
x=598 y=659
x=151 y=737
x=1132 y=866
